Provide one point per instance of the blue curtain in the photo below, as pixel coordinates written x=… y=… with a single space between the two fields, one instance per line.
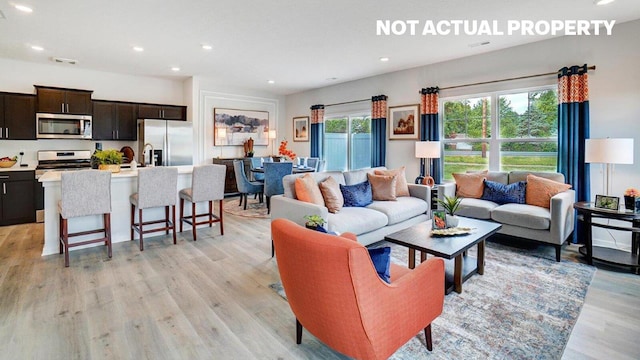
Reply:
x=430 y=128
x=378 y=130
x=573 y=129
x=317 y=130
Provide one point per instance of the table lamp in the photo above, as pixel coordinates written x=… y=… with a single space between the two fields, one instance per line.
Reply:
x=609 y=152
x=272 y=137
x=428 y=150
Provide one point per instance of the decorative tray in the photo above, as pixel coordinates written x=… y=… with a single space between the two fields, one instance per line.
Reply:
x=452 y=231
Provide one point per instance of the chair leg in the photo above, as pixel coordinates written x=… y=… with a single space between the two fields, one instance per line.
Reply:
x=181 y=212
x=245 y=201
x=65 y=241
x=298 y=332
x=166 y=219
x=210 y=213
x=107 y=232
x=268 y=204
x=558 y=252
x=427 y=336
x=240 y=202
x=133 y=215
x=140 y=227
x=173 y=219
x=273 y=249
x=193 y=220
x=221 y=226
x=60 y=244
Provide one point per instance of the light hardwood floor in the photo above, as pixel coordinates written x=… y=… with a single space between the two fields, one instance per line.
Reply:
x=208 y=300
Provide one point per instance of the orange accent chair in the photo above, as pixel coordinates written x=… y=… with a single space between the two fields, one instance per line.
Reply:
x=335 y=293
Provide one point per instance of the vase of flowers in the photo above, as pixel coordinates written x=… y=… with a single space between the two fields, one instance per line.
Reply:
x=630 y=196
x=286 y=153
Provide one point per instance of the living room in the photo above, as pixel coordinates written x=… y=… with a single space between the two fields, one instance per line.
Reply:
x=241 y=258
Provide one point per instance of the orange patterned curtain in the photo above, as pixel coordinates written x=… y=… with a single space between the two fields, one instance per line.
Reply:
x=378 y=130
x=317 y=130
x=429 y=127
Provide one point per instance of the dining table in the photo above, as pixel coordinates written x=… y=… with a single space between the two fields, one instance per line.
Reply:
x=296 y=169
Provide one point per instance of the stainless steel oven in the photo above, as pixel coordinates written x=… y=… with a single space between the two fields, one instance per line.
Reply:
x=63 y=126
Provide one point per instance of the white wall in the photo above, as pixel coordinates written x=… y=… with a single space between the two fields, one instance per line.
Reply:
x=614 y=92
x=20 y=76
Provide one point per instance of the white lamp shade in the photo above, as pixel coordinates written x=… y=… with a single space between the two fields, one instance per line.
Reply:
x=609 y=151
x=428 y=149
x=272 y=134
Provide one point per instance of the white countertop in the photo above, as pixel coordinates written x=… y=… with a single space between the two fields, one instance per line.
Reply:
x=17 y=167
x=51 y=176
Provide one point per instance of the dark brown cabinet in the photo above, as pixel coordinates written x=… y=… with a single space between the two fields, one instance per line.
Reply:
x=230 y=185
x=63 y=101
x=166 y=112
x=17 y=197
x=17 y=116
x=114 y=120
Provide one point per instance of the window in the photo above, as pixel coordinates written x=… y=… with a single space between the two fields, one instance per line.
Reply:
x=347 y=142
x=521 y=127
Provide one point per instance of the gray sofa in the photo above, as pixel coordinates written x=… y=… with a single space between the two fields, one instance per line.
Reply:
x=371 y=223
x=549 y=226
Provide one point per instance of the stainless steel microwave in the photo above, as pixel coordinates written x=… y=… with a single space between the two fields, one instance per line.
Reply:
x=63 y=126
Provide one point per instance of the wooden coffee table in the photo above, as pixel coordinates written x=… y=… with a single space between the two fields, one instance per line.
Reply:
x=418 y=237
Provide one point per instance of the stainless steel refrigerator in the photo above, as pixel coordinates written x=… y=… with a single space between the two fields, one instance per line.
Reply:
x=172 y=142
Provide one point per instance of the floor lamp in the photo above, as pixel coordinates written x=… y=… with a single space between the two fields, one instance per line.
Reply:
x=609 y=152
x=222 y=136
x=428 y=150
x=272 y=137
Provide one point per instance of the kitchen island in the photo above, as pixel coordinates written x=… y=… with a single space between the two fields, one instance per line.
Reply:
x=123 y=184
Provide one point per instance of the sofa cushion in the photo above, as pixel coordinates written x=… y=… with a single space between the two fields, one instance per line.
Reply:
x=402 y=209
x=541 y=190
x=289 y=181
x=476 y=208
x=522 y=215
x=504 y=194
x=332 y=195
x=496 y=176
x=358 y=176
x=470 y=185
x=383 y=187
x=358 y=195
x=381 y=258
x=402 y=188
x=516 y=176
x=307 y=190
x=357 y=220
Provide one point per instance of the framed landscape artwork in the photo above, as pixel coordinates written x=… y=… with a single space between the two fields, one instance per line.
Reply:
x=607 y=202
x=404 y=122
x=301 y=128
x=234 y=126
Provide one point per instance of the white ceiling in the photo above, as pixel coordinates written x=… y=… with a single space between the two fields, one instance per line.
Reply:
x=300 y=44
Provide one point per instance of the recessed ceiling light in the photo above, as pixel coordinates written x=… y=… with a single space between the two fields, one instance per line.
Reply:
x=23 y=8
x=479 y=44
x=175 y=68
x=603 y=2
x=207 y=47
x=138 y=48
x=384 y=59
x=332 y=79
x=271 y=81
x=37 y=48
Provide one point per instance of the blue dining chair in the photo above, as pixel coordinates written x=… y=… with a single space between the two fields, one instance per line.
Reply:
x=245 y=186
x=256 y=162
x=273 y=174
x=313 y=163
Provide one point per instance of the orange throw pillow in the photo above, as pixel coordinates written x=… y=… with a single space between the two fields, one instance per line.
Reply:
x=383 y=187
x=402 y=189
x=307 y=190
x=470 y=185
x=539 y=190
x=332 y=195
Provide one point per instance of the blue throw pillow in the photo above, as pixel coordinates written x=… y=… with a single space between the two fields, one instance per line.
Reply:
x=504 y=194
x=357 y=195
x=381 y=258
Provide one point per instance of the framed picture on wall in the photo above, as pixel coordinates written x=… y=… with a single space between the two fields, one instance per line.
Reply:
x=404 y=122
x=234 y=126
x=301 y=128
x=607 y=202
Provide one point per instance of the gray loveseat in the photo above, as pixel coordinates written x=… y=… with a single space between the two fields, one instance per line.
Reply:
x=550 y=226
x=371 y=223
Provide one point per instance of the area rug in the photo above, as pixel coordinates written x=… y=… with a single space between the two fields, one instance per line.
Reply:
x=523 y=307
x=255 y=209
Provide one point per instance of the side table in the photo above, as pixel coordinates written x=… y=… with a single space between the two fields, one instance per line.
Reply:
x=604 y=254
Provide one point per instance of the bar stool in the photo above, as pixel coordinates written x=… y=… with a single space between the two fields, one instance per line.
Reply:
x=207 y=184
x=156 y=187
x=84 y=193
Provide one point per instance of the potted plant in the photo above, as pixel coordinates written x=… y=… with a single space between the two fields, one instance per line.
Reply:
x=315 y=222
x=630 y=196
x=109 y=159
x=450 y=204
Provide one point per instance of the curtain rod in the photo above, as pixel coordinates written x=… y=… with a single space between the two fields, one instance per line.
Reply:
x=592 y=67
x=347 y=102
